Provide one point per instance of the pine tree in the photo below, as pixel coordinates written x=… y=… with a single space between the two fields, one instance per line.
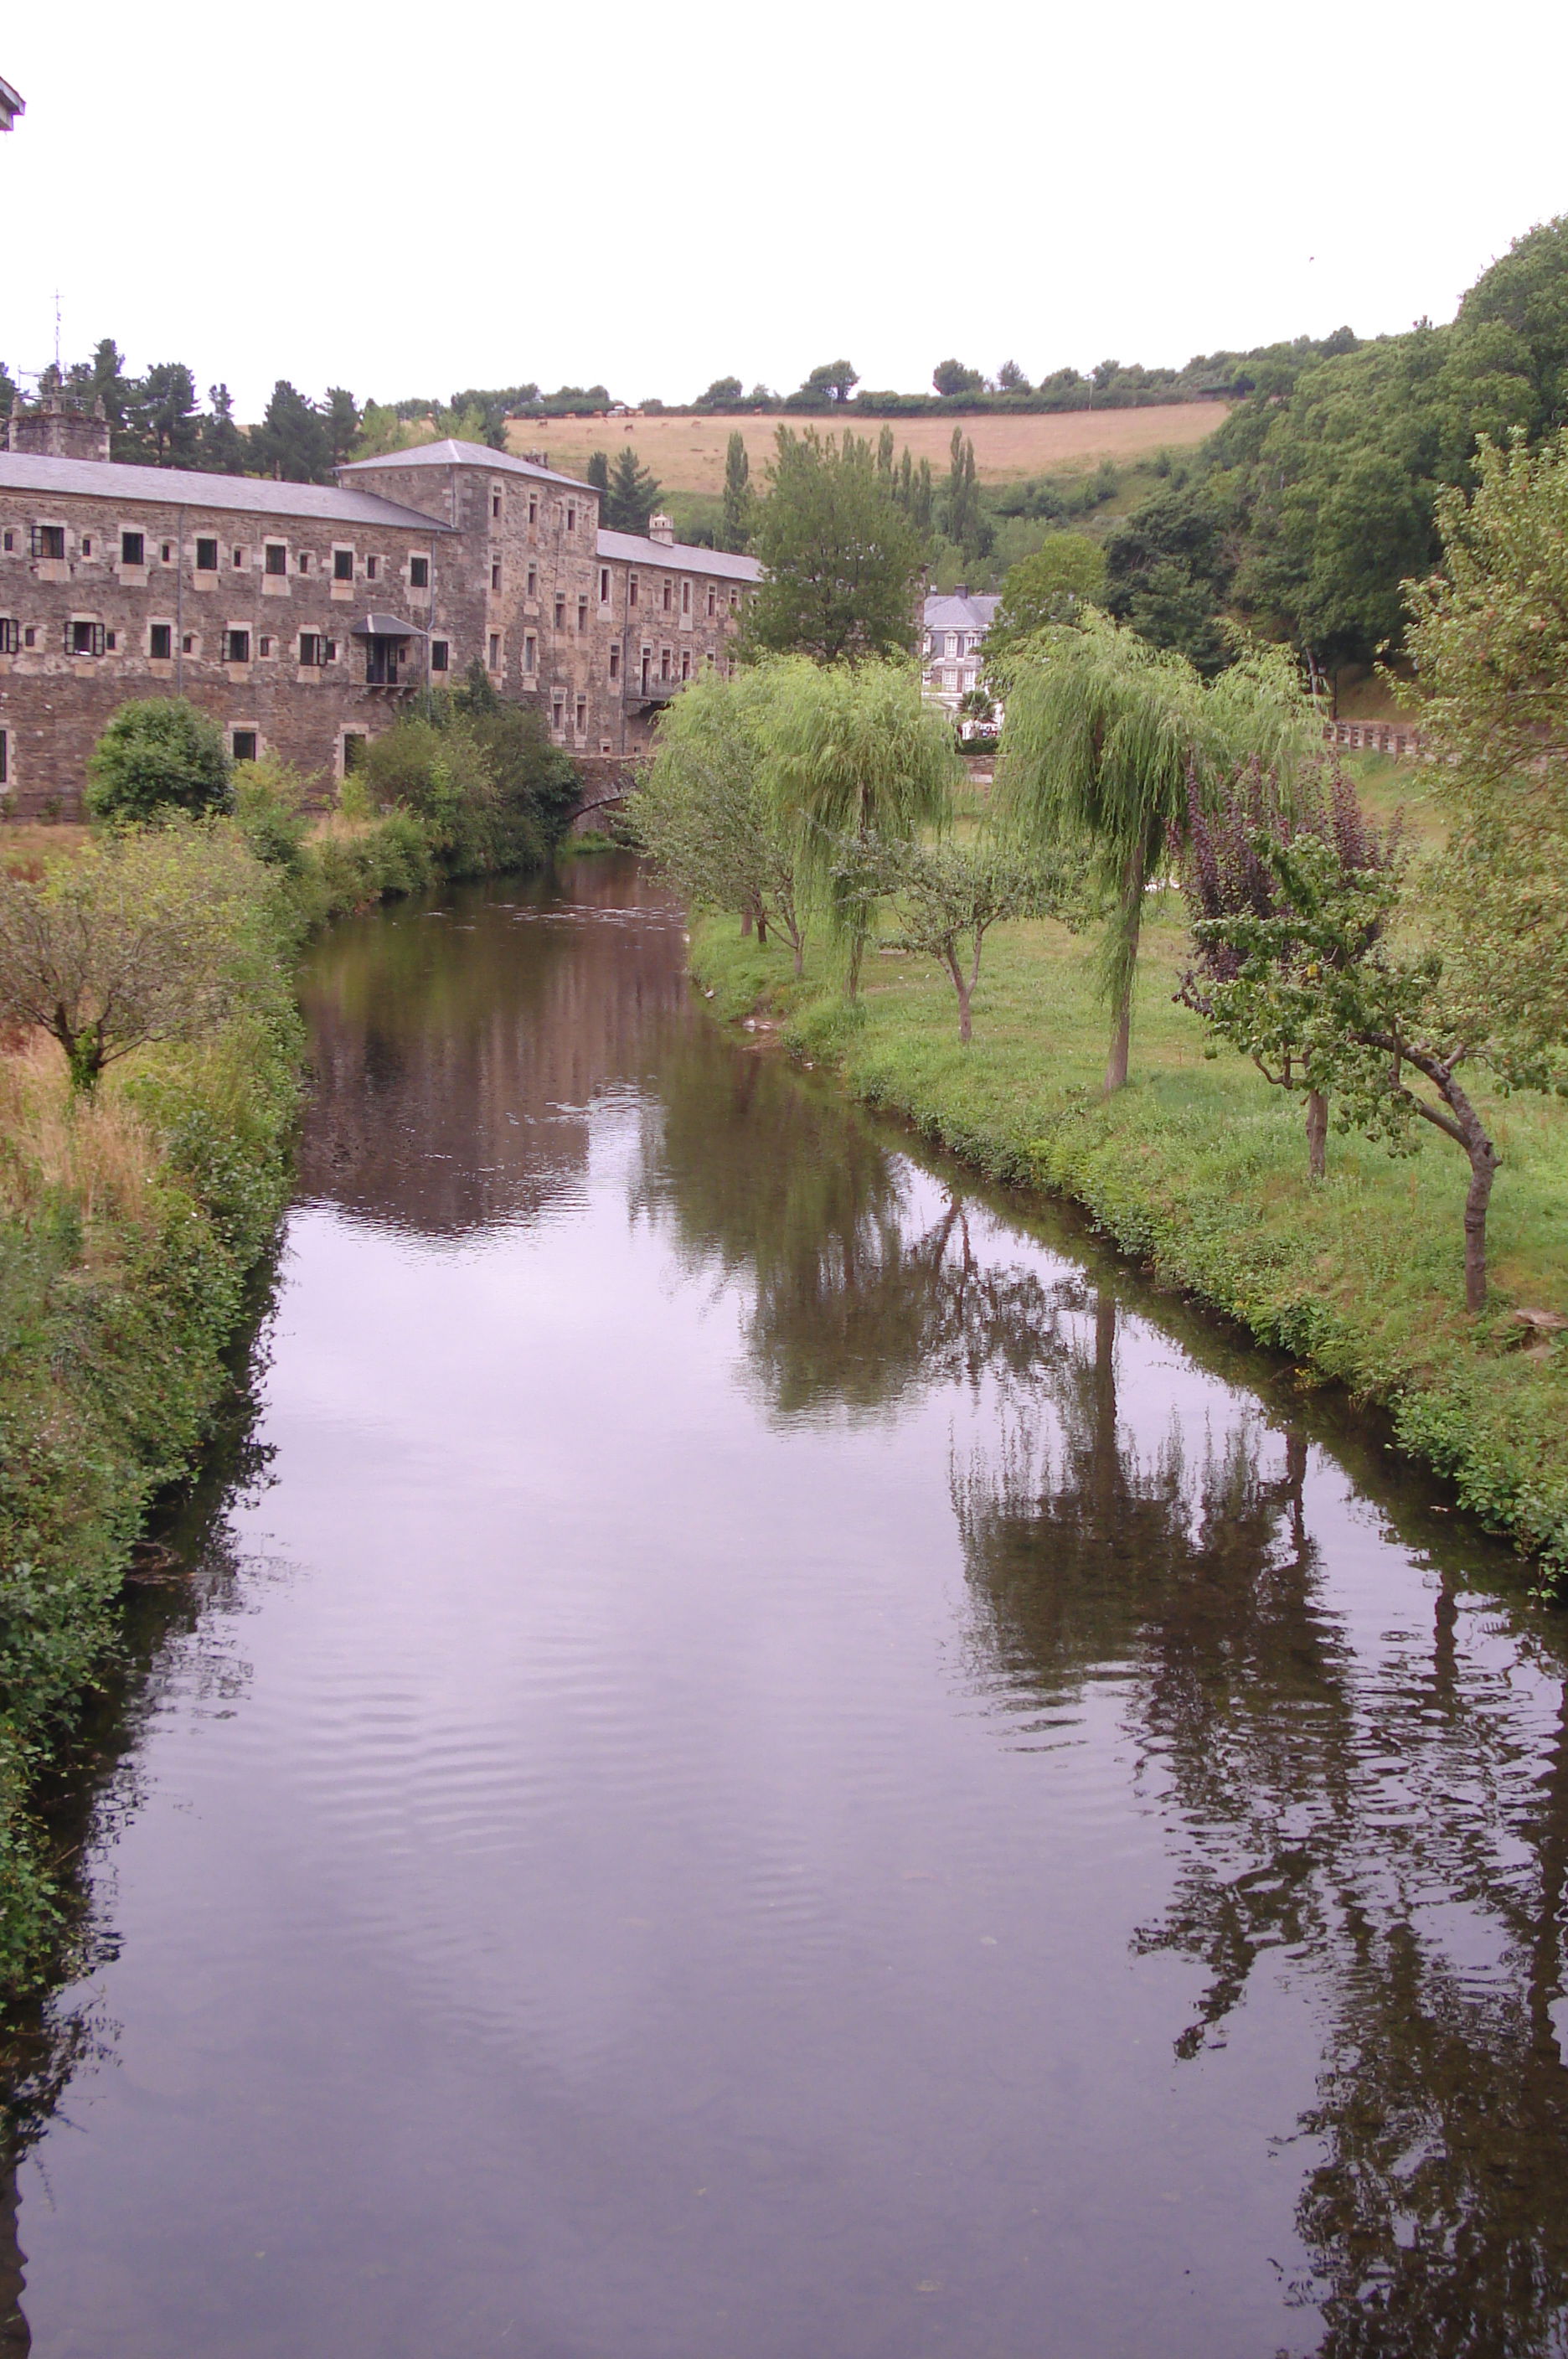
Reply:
x=738 y=519
x=597 y=472
x=291 y=444
x=342 y=423
x=633 y=494
x=219 y=445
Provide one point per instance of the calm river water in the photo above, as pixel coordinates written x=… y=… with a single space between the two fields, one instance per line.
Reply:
x=770 y=1758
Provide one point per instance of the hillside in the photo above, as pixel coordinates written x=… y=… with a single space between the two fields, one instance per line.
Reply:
x=687 y=453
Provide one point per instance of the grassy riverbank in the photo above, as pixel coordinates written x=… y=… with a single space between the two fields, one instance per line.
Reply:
x=1198 y=1169
x=131 y=1224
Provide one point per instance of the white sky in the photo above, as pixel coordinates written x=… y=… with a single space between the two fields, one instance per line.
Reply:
x=410 y=200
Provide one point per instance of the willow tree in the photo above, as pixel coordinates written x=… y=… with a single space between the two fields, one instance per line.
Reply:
x=856 y=759
x=1102 y=734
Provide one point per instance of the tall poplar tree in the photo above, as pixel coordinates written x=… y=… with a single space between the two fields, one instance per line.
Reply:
x=841 y=560
x=738 y=519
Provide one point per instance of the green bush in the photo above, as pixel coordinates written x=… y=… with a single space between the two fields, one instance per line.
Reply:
x=158 y=755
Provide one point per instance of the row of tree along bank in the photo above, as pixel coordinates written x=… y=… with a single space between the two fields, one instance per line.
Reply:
x=151 y=1068
x=1390 y=993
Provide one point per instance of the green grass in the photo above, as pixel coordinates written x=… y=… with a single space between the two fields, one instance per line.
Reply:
x=1198 y=1169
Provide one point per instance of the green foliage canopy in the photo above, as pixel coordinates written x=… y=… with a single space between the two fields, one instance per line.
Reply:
x=841 y=560
x=157 y=754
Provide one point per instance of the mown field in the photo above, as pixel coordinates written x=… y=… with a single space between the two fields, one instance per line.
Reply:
x=687 y=454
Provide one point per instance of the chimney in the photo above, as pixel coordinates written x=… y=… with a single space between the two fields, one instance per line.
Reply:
x=962 y=590
x=661 y=528
x=52 y=431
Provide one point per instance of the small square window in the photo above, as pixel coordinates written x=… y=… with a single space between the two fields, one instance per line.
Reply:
x=87 y=544
x=313 y=649
x=264 y=646
x=166 y=551
x=419 y=573
x=276 y=557
x=133 y=548
x=343 y=565
x=238 y=557
x=236 y=646
x=188 y=643
x=304 y=561
x=84 y=639
x=9 y=543
x=29 y=637
x=8 y=635
x=48 y=542
x=244 y=744
x=371 y=565
x=110 y=641
x=354 y=746
x=440 y=655
x=206 y=557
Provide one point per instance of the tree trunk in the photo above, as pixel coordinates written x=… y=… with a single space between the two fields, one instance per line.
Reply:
x=1483 y=1170
x=745 y=923
x=1317 y=1133
x=1131 y=922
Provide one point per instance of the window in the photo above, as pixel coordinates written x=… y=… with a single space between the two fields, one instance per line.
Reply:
x=276 y=557
x=440 y=655
x=603 y=585
x=188 y=643
x=354 y=746
x=48 y=542
x=133 y=548
x=313 y=649
x=615 y=662
x=735 y=601
x=685 y=597
x=581 y=714
x=669 y=595
x=533 y=581
x=571 y=516
x=631 y=588
x=244 y=744
x=343 y=565
x=371 y=566
x=304 y=561
x=558 y=712
x=713 y=601
x=9 y=543
x=84 y=639
x=419 y=573
x=239 y=561
x=87 y=544
x=206 y=557
x=8 y=635
x=109 y=641
x=5 y=758
x=533 y=508
x=494 y=504
x=685 y=663
x=160 y=642
x=530 y=652
x=494 y=650
x=166 y=551
x=708 y=659
x=561 y=613
x=29 y=637
x=264 y=646
x=236 y=646
x=664 y=663
x=494 y=573
x=583 y=614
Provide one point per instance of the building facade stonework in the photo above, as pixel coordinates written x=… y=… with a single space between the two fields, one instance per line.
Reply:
x=301 y=616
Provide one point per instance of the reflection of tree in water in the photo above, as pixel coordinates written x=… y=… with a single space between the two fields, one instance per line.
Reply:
x=1387 y=1819
x=855 y=1302
x=455 y=1045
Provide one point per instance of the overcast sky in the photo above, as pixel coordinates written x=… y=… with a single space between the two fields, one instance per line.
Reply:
x=409 y=200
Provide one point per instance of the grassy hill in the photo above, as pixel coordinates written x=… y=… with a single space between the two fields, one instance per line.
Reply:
x=687 y=454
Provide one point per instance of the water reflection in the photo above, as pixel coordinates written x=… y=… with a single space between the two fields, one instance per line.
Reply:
x=950 y=1768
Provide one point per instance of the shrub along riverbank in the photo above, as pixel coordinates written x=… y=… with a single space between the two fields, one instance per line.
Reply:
x=134 y=1211
x=1198 y=1169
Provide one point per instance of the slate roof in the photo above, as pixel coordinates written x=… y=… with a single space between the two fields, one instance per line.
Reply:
x=451 y=453
x=679 y=556
x=26 y=470
x=954 y=614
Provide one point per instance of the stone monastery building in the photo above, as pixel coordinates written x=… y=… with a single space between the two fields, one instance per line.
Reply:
x=301 y=615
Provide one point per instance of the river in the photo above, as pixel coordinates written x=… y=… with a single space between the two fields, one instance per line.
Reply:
x=762 y=1754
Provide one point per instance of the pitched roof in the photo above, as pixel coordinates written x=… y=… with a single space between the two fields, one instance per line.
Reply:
x=25 y=471
x=954 y=614
x=451 y=453
x=679 y=556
